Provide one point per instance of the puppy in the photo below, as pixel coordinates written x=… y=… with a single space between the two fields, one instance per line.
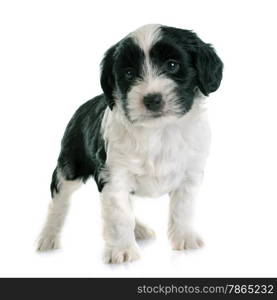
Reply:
x=146 y=135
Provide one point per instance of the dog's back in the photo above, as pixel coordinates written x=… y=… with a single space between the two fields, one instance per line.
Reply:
x=82 y=148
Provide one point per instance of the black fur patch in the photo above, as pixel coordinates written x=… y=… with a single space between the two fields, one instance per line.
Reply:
x=54 y=187
x=165 y=50
x=129 y=58
x=82 y=149
x=204 y=59
x=125 y=55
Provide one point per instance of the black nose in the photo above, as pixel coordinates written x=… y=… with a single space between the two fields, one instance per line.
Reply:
x=153 y=102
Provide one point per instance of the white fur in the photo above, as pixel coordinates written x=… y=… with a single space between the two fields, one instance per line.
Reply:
x=152 y=82
x=50 y=236
x=143 y=232
x=146 y=36
x=152 y=159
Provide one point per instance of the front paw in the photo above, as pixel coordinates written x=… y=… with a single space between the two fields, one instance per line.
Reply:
x=48 y=242
x=185 y=241
x=118 y=255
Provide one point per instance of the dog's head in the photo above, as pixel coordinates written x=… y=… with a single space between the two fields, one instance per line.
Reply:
x=156 y=72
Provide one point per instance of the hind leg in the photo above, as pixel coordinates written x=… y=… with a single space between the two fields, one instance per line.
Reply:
x=61 y=190
x=142 y=232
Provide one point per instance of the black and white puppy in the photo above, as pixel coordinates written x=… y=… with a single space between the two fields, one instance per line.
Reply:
x=147 y=135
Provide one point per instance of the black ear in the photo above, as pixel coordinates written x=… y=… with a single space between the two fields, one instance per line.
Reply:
x=107 y=77
x=209 y=67
x=204 y=58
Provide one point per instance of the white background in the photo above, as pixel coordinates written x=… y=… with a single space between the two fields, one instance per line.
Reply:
x=49 y=64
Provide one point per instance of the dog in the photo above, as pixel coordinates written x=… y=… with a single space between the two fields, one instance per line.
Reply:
x=146 y=135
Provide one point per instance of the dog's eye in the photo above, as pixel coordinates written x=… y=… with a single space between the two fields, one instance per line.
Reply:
x=129 y=74
x=172 y=66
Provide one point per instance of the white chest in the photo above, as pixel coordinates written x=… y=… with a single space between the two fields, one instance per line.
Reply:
x=158 y=159
x=162 y=163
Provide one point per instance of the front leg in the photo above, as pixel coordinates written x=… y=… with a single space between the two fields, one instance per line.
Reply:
x=180 y=231
x=119 y=223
